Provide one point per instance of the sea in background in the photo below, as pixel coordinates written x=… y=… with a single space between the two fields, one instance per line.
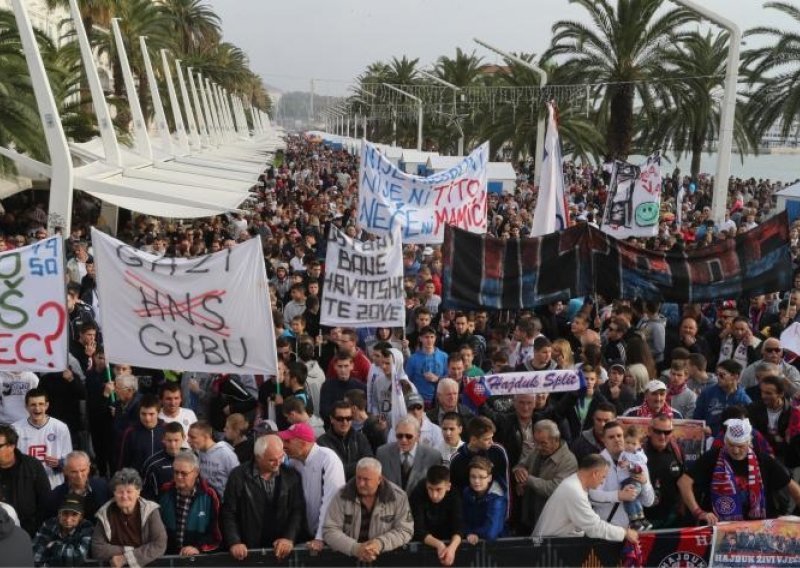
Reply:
x=776 y=167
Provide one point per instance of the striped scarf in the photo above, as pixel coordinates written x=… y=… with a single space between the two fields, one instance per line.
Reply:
x=727 y=501
x=644 y=411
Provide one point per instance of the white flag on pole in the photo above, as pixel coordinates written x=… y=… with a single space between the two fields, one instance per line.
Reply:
x=551 y=212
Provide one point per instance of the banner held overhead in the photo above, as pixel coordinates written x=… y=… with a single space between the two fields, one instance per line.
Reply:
x=422 y=206
x=33 y=316
x=363 y=282
x=206 y=314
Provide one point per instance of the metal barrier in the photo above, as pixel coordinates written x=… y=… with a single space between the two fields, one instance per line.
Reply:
x=503 y=552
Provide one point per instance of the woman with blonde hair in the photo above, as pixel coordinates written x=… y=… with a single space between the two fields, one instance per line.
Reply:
x=562 y=354
x=636 y=377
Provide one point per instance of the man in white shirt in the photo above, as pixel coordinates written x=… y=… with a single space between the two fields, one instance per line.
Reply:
x=322 y=473
x=568 y=512
x=172 y=411
x=608 y=498
x=43 y=437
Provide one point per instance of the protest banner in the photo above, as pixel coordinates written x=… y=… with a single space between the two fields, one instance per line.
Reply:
x=771 y=542
x=206 y=314
x=422 y=206
x=633 y=205
x=363 y=282
x=33 y=316
x=512 y=274
x=688 y=434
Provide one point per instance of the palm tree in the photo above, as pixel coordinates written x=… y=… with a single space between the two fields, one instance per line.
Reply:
x=773 y=74
x=688 y=116
x=194 y=25
x=621 y=49
x=19 y=119
x=465 y=70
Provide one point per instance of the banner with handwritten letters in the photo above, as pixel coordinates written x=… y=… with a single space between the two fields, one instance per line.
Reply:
x=771 y=542
x=688 y=434
x=33 y=316
x=205 y=314
x=634 y=199
x=422 y=206
x=363 y=282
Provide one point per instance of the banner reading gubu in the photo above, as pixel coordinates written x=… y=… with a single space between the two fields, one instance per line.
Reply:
x=33 y=318
x=422 y=206
x=206 y=314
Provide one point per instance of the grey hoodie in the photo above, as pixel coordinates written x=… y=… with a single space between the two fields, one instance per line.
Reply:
x=216 y=465
x=16 y=548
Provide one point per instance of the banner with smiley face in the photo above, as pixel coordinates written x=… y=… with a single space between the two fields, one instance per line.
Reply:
x=634 y=199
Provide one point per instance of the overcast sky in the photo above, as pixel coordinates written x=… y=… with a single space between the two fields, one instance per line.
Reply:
x=292 y=41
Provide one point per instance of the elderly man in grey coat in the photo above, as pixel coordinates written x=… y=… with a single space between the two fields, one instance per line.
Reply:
x=390 y=523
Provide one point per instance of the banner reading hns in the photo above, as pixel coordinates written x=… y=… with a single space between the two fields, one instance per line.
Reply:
x=206 y=314
x=480 y=270
x=363 y=282
x=421 y=206
x=33 y=318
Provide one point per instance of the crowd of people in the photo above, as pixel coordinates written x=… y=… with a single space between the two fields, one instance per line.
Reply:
x=125 y=465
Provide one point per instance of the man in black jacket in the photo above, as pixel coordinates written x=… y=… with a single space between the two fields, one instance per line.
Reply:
x=350 y=445
x=264 y=506
x=785 y=444
x=23 y=481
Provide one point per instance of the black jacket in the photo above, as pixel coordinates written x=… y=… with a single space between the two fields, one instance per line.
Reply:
x=25 y=487
x=786 y=451
x=247 y=516
x=350 y=449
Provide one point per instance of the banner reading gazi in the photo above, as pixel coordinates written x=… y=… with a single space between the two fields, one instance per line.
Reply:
x=421 y=206
x=206 y=314
x=33 y=318
x=363 y=282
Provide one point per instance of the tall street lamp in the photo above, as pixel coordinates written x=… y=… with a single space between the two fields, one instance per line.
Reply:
x=537 y=162
x=455 y=90
x=419 y=111
x=728 y=110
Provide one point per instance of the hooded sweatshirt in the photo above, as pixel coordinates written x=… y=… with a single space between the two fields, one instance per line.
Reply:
x=216 y=464
x=15 y=544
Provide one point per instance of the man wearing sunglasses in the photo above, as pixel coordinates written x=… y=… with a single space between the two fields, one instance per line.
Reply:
x=665 y=462
x=405 y=461
x=772 y=352
x=350 y=445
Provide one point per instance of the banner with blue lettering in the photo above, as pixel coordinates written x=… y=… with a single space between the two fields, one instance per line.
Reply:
x=422 y=206
x=206 y=314
x=33 y=319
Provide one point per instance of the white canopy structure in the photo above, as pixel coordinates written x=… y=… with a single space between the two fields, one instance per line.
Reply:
x=195 y=172
x=411 y=160
x=501 y=177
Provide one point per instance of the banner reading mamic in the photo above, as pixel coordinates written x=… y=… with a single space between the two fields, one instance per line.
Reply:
x=33 y=318
x=363 y=282
x=206 y=314
x=421 y=206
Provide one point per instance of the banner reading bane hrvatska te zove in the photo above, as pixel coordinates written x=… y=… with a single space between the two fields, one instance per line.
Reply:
x=363 y=282
x=422 y=206
x=206 y=314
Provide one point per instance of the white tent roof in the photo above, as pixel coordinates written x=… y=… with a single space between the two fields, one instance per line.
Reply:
x=416 y=157
x=438 y=163
x=500 y=171
x=392 y=152
x=789 y=191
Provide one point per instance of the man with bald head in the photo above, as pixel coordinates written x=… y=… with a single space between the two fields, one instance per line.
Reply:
x=772 y=352
x=264 y=505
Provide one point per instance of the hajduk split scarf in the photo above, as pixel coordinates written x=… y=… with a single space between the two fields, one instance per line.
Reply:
x=727 y=500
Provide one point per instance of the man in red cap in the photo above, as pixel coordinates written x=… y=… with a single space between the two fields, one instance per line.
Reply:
x=322 y=473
